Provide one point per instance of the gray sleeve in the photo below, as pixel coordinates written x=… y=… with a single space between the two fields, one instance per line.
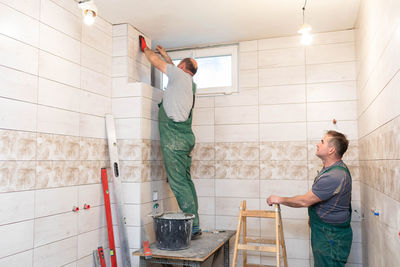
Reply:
x=172 y=71
x=328 y=185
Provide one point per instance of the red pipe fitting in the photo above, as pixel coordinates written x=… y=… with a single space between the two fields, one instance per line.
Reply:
x=75 y=209
x=86 y=206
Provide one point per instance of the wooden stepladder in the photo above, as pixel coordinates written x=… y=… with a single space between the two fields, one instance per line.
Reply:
x=274 y=244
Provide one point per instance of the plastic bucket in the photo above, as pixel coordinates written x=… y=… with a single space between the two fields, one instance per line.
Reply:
x=173 y=230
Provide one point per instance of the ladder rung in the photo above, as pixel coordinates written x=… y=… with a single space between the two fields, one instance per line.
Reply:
x=257 y=248
x=259 y=265
x=260 y=240
x=259 y=213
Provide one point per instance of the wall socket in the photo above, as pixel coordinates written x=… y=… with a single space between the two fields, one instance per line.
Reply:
x=155 y=195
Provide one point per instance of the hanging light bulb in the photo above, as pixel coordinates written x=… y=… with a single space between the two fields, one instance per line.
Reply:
x=89 y=11
x=89 y=16
x=305 y=29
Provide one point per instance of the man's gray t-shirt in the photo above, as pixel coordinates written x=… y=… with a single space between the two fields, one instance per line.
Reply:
x=333 y=187
x=178 y=96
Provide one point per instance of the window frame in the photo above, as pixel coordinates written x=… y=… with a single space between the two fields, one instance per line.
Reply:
x=215 y=51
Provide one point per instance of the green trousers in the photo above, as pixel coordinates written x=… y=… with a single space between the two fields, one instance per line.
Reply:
x=331 y=243
x=177 y=142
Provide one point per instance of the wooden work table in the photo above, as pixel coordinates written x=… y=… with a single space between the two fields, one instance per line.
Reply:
x=200 y=250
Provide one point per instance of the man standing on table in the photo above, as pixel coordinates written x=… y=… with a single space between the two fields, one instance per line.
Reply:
x=175 y=126
x=329 y=204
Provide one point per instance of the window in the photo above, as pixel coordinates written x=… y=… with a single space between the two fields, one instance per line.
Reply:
x=217 y=69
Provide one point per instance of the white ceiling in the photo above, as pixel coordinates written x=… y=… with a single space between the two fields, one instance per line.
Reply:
x=188 y=23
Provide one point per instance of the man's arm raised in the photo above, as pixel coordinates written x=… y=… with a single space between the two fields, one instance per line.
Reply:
x=151 y=56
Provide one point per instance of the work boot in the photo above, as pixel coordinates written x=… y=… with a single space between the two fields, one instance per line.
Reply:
x=196 y=232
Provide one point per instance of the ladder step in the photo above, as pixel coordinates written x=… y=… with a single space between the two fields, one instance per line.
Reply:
x=260 y=240
x=257 y=248
x=258 y=265
x=259 y=213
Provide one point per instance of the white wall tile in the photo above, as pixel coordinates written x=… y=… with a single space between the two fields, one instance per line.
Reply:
x=231 y=206
x=205 y=187
x=103 y=25
x=332 y=72
x=59 y=44
x=297 y=248
x=59 y=69
x=127 y=107
x=204 y=133
x=16 y=206
x=248 y=60
x=316 y=130
x=333 y=37
x=335 y=91
x=137 y=215
x=283 y=132
x=248 y=78
x=203 y=116
x=19 y=26
x=237 y=188
x=283 y=113
x=283 y=187
x=236 y=115
x=318 y=54
x=53 y=120
x=149 y=129
x=23 y=259
x=70 y=6
x=10 y=115
x=132 y=193
x=91 y=195
x=97 y=39
x=94 y=104
x=29 y=7
x=248 y=46
x=92 y=126
x=58 y=95
x=53 y=228
x=204 y=102
x=281 y=76
x=17 y=55
x=95 y=60
x=236 y=133
x=120 y=46
x=283 y=42
x=16 y=238
x=120 y=30
x=95 y=82
x=62 y=200
x=91 y=219
x=206 y=205
x=281 y=57
x=282 y=94
x=90 y=241
x=383 y=109
x=60 y=19
x=332 y=110
x=56 y=254
x=119 y=66
x=245 y=97
x=18 y=85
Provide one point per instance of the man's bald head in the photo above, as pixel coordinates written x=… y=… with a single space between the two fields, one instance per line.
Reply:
x=190 y=65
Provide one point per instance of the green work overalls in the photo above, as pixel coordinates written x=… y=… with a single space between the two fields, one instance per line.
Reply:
x=177 y=141
x=331 y=243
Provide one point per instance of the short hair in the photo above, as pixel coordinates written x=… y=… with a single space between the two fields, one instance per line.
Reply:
x=339 y=141
x=189 y=65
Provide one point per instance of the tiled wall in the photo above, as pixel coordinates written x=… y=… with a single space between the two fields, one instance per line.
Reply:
x=262 y=140
x=55 y=76
x=378 y=64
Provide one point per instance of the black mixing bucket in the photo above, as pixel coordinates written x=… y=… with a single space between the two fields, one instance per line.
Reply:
x=173 y=230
